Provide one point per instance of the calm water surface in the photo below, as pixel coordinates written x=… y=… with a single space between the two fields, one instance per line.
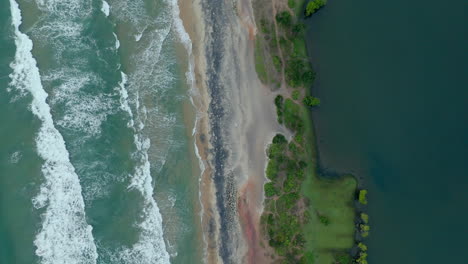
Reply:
x=392 y=77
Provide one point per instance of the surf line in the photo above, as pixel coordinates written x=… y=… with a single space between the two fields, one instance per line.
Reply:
x=150 y=247
x=64 y=237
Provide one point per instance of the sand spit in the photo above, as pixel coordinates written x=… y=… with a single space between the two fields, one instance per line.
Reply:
x=235 y=122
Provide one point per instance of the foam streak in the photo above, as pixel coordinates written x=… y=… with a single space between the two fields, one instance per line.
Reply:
x=65 y=237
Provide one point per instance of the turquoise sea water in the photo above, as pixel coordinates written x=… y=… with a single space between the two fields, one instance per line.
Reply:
x=96 y=162
x=392 y=79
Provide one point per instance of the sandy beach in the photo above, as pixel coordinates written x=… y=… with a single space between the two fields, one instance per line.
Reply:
x=236 y=120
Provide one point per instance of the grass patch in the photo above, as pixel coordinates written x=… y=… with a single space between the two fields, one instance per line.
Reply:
x=332 y=198
x=300 y=49
x=307 y=218
x=260 y=62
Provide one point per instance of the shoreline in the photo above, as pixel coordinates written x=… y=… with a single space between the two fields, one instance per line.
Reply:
x=323 y=209
x=235 y=123
x=191 y=17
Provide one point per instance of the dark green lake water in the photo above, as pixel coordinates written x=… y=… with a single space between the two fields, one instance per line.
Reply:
x=392 y=77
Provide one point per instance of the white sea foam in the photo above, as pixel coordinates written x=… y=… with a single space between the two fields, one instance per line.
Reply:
x=15 y=157
x=138 y=36
x=82 y=111
x=150 y=247
x=64 y=237
x=105 y=8
x=117 y=42
x=184 y=38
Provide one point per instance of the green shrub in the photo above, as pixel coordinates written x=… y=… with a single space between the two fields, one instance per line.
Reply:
x=277 y=63
x=295 y=94
x=286 y=201
x=292 y=3
x=279 y=139
x=308 y=258
x=272 y=170
x=264 y=26
x=292 y=117
x=364 y=230
x=302 y=164
x=311 y=101
x=284 y=18
x=324 y=220
x=279 y=101
x=298 y=29
x=362 y=247
x=293 y=71
x=306 y=217
x=270 y=189
x=344 y=259
x=290 y=184
x=298 y=138
x=362 y=259
x=277 y=149
x=313 y=6
x=363 y=196
x=308 y=77
x=365 y=218
x=294 y=149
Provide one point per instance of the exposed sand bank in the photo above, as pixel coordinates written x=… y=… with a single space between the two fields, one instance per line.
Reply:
x=236 y=121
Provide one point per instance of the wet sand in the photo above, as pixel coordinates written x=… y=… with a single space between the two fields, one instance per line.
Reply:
x=236 y=120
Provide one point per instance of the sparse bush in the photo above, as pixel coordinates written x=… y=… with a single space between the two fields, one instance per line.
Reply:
x=308 y=77
x=279 y=108
x=272 y=169
x=284 y=18
x=344 y=259
x=279 y=101
x=298 y=138
x=270 y=189
x=324 y=220
x=365 y=218
x=362 y=259
x=295 y=94
x=277 y=63
x=298 y=28
x=279 y=139
x=363 y=196
x=362 y=247
x=311 y=101
x=313 y=6
x=308 y=258
x=364 y=230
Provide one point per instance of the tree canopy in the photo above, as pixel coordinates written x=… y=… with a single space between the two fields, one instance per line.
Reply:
x=313 y=6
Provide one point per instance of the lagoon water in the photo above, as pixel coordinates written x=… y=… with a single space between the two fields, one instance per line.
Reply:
x=96 y=162
x=392 y=77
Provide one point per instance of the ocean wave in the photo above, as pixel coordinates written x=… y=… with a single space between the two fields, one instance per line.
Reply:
x=83 y=111
x=105 y=8
x=64 y=237
x=150 y=247
x=63 y=32
x=117 y=42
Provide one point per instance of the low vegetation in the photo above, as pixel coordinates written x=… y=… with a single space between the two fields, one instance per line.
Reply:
x=307 y=218
x=363 y=197
x=313 y=6
x=311 y=101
